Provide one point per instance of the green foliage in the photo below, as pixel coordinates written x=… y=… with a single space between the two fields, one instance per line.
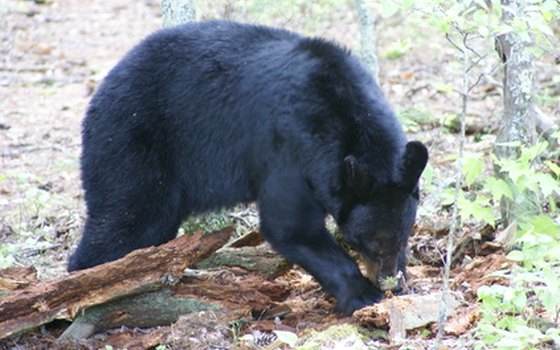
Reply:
x=288 y=338
x=509 y=312
x=522 y=180
x=397 y=49
x=483 y=18
x=7 y=258
x=415 y=117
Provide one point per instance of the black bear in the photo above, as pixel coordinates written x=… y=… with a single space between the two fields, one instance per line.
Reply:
x=207 y=115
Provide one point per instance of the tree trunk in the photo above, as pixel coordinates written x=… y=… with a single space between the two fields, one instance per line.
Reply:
x=176 y=12
x=367 y=38
x=518 y=121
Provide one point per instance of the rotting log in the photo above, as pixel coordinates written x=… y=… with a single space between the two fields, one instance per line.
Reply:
x=406 y=312
x=260 y=259
x=159 y=308
x=142 y=271
x=250 y=294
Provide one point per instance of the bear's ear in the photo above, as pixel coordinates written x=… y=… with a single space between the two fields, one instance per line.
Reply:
x=414 y=161
x=354 y=175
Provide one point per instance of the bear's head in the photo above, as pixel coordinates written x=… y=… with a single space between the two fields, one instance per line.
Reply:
x=377 y=217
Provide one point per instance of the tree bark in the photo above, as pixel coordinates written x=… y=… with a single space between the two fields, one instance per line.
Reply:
x=141 y=271
x=159 y=308
x=250 y=294
x=176 y=12
x=367 y=38
x=260 y=259
x=518 y=121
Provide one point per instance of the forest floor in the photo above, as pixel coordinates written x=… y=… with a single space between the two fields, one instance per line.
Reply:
x=52 y=57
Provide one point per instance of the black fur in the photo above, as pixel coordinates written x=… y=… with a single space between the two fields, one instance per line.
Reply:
x=208 y=115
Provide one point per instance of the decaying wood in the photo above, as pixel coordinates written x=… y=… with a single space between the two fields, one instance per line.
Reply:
x=481 y=272
x=406 y=312
x=247 y=295
x=260 y=259
x=13 y=278
x=251 y=239
x=141 y=271
x=159 y=308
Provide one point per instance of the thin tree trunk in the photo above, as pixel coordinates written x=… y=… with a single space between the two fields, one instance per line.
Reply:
x=176 y=12
x=518 y=122
x=367 y=38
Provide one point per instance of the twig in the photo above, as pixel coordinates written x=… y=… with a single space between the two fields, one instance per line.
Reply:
x=455 y=217
x=448 y=37
x=492 y=71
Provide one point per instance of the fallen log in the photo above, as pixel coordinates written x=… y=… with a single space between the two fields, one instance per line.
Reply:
x=159 y=308
x=260 y=259
x=405 y=312
x=244 y=296
x=142 y=271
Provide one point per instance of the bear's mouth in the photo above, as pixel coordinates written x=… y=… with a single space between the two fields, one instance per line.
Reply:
x=382 y=279
x=372 y=270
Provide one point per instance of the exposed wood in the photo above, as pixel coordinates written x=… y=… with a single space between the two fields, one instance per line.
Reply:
x=141 y=271
x=17 y=277
x=260 y=259
x=251 y=239
x=481 y=272
x=406 y=312
x=249 y=295
x=159 y=308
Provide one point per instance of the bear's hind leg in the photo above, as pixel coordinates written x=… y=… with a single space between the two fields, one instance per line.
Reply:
x=145 y=216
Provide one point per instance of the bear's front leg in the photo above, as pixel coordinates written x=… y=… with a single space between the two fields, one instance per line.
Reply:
x=294 y=224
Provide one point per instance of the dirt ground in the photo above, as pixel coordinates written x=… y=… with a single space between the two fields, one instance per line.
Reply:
x=52 y=56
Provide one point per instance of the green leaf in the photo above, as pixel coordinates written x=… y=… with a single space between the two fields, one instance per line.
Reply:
x=516 y=255
x=389 y=8
x=509 y=343
x=439 y=86
x=498 y=188
x=549 y=299
x=555 y=168
x=509 y=322
x=427 y=176
x=286 y=337
x=473 y=169
x=547 y=184
x=519 y=300
x=479 y=209
x=531 y=153
x=545 y=225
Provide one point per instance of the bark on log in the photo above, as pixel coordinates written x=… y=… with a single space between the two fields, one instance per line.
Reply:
x=159 y=308
x=141 y=271
x=260 y=259
x=245 y=296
